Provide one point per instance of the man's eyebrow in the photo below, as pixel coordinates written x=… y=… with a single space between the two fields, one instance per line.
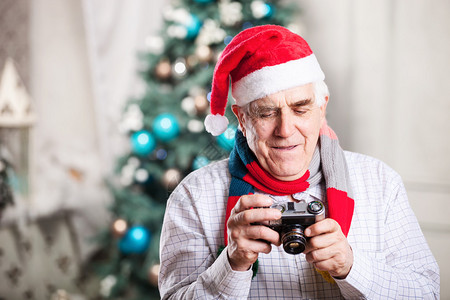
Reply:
x=262 y=106
x=303 y=102
x=266 y=107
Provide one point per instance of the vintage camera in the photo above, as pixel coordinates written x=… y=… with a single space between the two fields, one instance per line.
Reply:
x=295 y=217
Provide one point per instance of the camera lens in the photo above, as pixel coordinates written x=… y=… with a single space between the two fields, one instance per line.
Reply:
x=293 y=239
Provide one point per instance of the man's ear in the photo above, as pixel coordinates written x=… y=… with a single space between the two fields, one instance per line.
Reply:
x=239 y=113
x=323 y=109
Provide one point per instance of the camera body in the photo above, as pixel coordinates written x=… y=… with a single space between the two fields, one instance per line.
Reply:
x=295 y=217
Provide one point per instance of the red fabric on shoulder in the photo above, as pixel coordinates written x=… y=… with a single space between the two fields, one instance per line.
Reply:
x=340 y=208
x=232 y=200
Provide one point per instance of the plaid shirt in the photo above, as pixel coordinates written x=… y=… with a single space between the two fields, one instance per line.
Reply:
x=391 y=257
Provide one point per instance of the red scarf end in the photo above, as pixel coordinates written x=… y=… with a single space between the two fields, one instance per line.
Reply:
x=340 y=208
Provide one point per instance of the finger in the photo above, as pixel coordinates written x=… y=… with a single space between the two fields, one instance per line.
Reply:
x=321 y=241
x=335 y=259
x=253 y=216
x=319 y=255
x=251 y=246
x=249 y=201
x=262 y=246
x=259 y=232
x=325 y=226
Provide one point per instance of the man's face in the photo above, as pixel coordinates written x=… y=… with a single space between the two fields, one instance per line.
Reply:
x=282 y=130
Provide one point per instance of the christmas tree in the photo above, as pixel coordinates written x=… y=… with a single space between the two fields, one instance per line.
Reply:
x=166 y=132
x=6 y=196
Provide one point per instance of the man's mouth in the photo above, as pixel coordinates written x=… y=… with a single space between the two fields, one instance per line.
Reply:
x=285 y=147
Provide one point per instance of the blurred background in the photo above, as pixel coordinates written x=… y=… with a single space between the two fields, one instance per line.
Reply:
x=101 y=109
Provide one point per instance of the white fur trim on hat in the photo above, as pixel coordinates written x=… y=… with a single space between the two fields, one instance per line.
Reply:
x=216 y=124
x=273 y=79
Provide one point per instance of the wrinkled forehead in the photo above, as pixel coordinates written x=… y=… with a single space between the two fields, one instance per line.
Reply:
x=301 y=95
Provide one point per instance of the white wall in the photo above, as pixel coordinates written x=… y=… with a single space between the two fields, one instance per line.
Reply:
x=83 y=69
x=387 y=63
x=65 y=171
x=115 y=30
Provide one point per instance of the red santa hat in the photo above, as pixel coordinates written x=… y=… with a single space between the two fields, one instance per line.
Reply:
x=260 y=61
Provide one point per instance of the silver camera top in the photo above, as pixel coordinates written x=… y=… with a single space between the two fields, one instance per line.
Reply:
x=302 y=212
x=313 y=207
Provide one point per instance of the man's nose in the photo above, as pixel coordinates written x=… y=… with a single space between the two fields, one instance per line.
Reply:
x=285 y=126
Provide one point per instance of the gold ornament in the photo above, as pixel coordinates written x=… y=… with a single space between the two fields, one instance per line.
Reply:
x=196 y=90
x=153 y=274
x=204 y=53
x=192 y=61
x=188 y=105
x=163 y=70
x=195 y=126
x=217 y=56
x=201 y=103
x=171 y=178
x=119 y=227
x=60 y=295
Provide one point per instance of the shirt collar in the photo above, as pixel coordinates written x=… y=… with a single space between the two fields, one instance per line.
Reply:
x=317 y=192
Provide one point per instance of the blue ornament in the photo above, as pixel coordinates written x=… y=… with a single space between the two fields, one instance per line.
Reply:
x=142 y=142
x=203 y=1
x=227 y=39
x=247 y=25
x=161 y=154
x=135 y=241
x=193 y=26
x=199 y=162
x=165 y=127
x=226 y=139
x=268 y=10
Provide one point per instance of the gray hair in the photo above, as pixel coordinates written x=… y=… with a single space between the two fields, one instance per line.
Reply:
x=320 y=92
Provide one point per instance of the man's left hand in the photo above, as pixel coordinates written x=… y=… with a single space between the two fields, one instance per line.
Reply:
x=328 y=248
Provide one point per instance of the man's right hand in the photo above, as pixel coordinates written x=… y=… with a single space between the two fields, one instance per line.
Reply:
x=246 y=241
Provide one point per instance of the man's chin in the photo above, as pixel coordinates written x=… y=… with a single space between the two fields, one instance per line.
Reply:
x=287 y=174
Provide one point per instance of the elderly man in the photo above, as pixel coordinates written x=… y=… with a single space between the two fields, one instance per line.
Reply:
x=219 y=239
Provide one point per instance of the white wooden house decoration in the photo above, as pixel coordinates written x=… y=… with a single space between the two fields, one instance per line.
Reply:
x=16 y=118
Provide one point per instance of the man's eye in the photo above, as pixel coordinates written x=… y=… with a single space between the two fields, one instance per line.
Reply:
x=300 y=112
x=266 y=115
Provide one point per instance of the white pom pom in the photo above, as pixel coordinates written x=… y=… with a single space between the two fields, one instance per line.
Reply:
x=216 y=124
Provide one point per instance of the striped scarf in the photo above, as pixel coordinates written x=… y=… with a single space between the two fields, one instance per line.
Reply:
x=328 y=161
